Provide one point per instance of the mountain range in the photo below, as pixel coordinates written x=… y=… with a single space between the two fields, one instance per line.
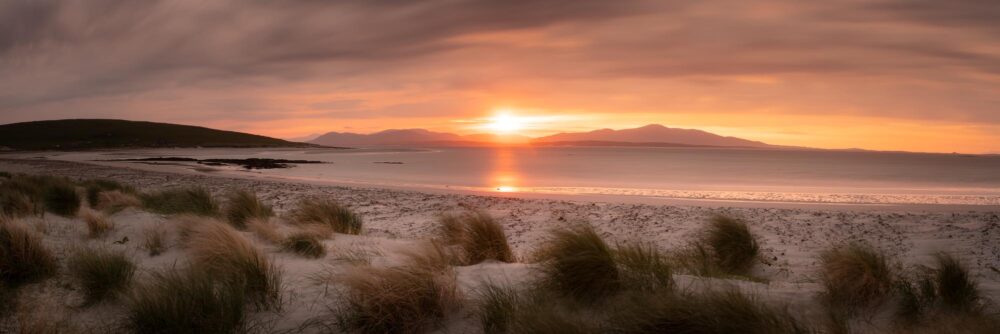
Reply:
x=650 y=135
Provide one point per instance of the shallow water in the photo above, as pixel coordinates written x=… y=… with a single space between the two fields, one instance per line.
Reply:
x=777 y=175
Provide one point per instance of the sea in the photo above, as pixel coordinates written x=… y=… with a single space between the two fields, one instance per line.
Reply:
x=694 y=173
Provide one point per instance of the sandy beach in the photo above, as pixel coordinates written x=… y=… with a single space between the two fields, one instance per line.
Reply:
x=790 y=237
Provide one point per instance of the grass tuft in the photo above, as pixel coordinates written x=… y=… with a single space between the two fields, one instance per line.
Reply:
x=329 y=213
x=724 y=310
x=506 y=310
x=61 y=198
x=98 y=224
x=577 y=263
x=220 y=250
x=95 y=187
x=23 y=257
x=479 y=237
x=101 y=273
x=955 y=288
x=856 y=277
x=411 y=298
x=186 y=200
x=155 y=240
x=265 y=230
x=186 y=301
x=242 y=205
x=734 y=247
x=944 y=292
x=14 y=203
x=643 y=268
x=725 y=249
x=114 y=201
x=305 y=244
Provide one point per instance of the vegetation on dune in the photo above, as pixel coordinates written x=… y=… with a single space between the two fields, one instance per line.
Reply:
x=192 y=200
x=114 y=201
x=101 y=273
x=327 y=212
x=855 y=277
x=242 y=205
x=186 y=301
x=97 y=223
x=725 y=249
x=944 y=293
x=155 y=240
x=643 y=267
x=411 y=298
x=725 y=310
x=62 y=199
x=268 y=231
x=14 y=203
x=734 y=247
x=220 y=250
x=23 y=257
x=95 y=187
x=504 y=309
x=577 y=263
x=305 y=244
x=478 y=236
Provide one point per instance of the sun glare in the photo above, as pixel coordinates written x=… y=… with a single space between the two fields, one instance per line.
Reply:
x=505 y=123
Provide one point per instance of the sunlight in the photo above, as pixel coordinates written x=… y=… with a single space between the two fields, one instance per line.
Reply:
x=505 y=123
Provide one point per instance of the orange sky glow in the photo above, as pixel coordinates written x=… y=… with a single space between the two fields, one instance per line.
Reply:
x=883 y=75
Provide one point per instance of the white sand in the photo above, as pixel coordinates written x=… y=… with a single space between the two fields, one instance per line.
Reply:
x=395 y=220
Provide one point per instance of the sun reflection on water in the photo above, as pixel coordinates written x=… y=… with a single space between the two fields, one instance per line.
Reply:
x=504 y=177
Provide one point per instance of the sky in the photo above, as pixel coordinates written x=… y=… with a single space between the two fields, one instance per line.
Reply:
x=913 y=75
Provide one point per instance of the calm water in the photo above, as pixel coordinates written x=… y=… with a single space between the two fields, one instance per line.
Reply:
x=672 y=172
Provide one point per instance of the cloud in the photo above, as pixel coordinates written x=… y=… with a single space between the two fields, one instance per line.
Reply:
x=254 y=61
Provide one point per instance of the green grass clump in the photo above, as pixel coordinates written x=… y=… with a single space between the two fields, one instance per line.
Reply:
x=186 y=200
x=856 y=277
x=578 y=263
x=101 y=273
x=186 y=301
x=478 y=236
x=327 y=212
x=242 y=205
x=305 y=244
x=220 y=250
x=714 y=311
x=411 y=298
x=23 y=257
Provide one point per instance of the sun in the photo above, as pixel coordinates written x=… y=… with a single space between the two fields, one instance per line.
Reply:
x=505 y=123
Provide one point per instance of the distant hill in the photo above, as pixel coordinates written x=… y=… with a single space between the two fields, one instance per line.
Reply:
x=387 y=137
x=650 y=135
x=73 y=134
